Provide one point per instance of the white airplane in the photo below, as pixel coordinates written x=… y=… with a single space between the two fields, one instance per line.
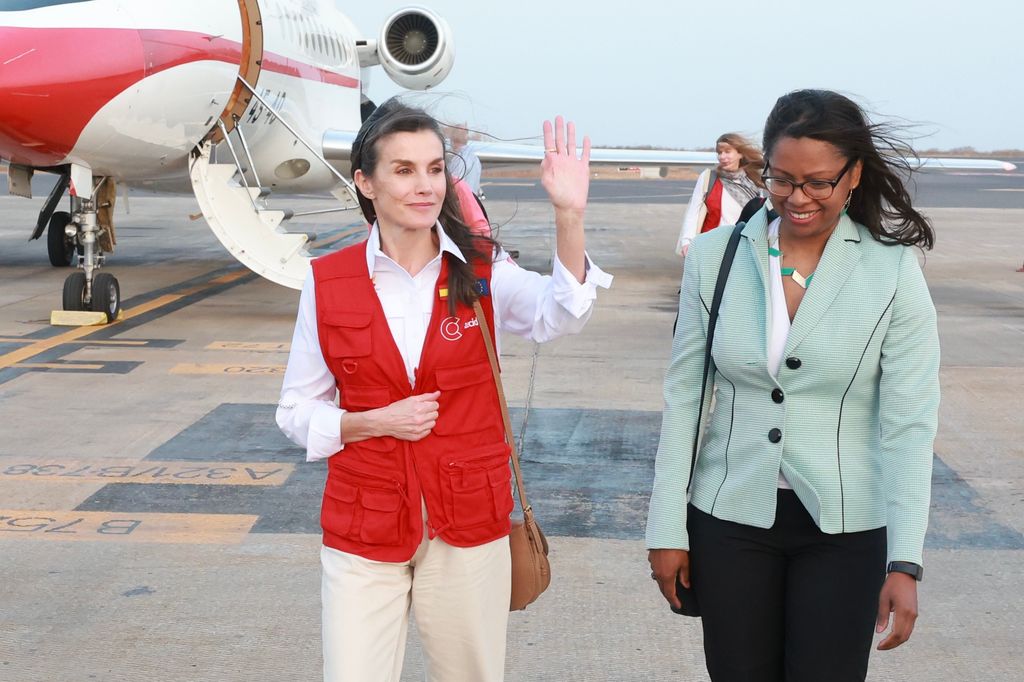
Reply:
x=236 y=98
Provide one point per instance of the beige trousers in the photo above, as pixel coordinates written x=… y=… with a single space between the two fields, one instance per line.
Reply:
x=460 y=596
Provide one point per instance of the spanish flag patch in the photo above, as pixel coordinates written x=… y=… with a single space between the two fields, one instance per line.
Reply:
x=442 y=292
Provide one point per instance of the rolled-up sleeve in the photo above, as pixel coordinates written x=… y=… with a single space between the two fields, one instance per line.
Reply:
x=543 y=307
x=307 y=412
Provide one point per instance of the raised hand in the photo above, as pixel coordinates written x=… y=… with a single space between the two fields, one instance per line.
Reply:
x=565 y=176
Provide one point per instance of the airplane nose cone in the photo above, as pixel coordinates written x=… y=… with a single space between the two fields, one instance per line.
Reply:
x=54 y=80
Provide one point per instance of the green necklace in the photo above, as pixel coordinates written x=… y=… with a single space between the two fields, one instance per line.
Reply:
x=801 y=281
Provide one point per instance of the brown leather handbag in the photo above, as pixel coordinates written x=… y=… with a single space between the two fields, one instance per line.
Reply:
x=531 y=571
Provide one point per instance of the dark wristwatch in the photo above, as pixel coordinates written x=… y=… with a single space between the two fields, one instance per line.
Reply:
x=913 y=570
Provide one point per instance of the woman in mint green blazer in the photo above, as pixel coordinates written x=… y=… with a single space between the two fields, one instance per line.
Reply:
x=809 y=497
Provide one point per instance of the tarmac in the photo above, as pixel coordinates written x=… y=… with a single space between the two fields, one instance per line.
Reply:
x=155 y=525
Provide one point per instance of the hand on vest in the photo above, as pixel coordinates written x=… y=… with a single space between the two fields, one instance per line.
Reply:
x=668 y=565
x=898 y=597
x=409 y=419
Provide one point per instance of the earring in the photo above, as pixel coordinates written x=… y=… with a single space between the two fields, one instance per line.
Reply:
x=846 y=204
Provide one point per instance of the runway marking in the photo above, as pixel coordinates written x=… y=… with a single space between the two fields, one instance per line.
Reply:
x=21 y=354
x=257 y=347
x=86 y=342
x=125 y=526
x=199 y=368
x=63 y=366
x=1005 y=189
x=36 y=470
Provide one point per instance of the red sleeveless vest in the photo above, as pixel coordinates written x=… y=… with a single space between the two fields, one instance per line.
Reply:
x=371 y=505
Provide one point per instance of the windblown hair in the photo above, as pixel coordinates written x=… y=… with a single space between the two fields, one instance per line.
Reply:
x=881 y=202
x=392 y=117
x=751 y=161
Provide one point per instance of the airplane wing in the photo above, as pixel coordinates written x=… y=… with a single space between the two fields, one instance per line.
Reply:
x=933 y=163
x=338 y=143
x=507 y=152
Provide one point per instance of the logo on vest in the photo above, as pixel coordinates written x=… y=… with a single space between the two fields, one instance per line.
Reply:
x=451 y=329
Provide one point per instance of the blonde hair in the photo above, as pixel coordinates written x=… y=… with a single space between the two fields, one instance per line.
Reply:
x=751 y=161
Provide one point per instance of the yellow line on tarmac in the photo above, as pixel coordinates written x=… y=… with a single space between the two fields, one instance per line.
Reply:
x=43 y=345
x=57 y=365
x=125 y=526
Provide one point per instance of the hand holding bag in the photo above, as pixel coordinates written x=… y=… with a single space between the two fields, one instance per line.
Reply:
x=687 y=595
x=531 y=571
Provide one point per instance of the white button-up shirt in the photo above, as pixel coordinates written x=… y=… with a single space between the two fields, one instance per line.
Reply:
x=526 y=303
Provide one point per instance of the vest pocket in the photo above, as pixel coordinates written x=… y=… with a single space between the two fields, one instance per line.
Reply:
x=339 y=507
x=360 y=508
x=348 y=334
x=381 y=516
x=466 y=391
x=475 y=486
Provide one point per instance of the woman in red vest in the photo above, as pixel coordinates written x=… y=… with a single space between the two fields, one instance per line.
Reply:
x=721 y=193
x=416 y=507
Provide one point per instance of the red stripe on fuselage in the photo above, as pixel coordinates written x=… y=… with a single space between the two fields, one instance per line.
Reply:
x=53 y=81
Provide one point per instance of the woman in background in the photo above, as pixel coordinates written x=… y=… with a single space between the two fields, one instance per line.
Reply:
x=722 y=192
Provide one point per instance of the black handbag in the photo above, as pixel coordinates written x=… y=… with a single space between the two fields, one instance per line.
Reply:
x=688 y=595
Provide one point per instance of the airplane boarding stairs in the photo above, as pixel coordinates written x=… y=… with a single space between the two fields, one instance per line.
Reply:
x=253 y=232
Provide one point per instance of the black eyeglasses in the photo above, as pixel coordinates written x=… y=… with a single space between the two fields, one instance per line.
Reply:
x=814 y=189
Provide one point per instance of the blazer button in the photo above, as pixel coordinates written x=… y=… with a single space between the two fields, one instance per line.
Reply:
x=777 y=395
x=793 y=363
x=775 y=435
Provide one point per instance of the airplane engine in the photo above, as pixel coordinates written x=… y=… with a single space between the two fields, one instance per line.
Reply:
x=416 y=48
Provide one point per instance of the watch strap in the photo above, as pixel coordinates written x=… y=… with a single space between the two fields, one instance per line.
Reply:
x=916 y=571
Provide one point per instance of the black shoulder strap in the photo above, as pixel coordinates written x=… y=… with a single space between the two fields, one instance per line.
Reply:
x=716 y=302
x=750 y=208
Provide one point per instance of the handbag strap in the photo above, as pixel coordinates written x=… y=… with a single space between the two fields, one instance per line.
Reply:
x=716 y=302
x=493 y=357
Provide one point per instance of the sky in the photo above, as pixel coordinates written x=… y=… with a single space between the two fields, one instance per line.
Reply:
x=672 y=73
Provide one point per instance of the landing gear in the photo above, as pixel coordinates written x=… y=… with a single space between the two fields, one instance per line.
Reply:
x=106 y=295
x=74 y=291
x=59 y=246
x=87 y=289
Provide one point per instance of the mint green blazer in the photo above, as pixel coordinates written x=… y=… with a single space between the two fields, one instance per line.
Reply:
x=859 y=413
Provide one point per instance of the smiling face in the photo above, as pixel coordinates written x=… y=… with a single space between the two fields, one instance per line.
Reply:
x=728 y=157
x=801 y=159
x=408 y=183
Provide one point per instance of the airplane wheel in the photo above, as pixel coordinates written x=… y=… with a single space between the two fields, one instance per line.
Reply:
x=74 y=291
x=59 y=246
x=106 y=295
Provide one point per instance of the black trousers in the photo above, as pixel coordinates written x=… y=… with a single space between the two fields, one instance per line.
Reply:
x=789 y=603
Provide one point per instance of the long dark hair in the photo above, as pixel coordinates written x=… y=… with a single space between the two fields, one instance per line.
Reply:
x=394 y=116
x=881 y=202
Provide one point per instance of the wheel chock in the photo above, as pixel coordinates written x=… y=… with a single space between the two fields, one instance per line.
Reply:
x=79 y=318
